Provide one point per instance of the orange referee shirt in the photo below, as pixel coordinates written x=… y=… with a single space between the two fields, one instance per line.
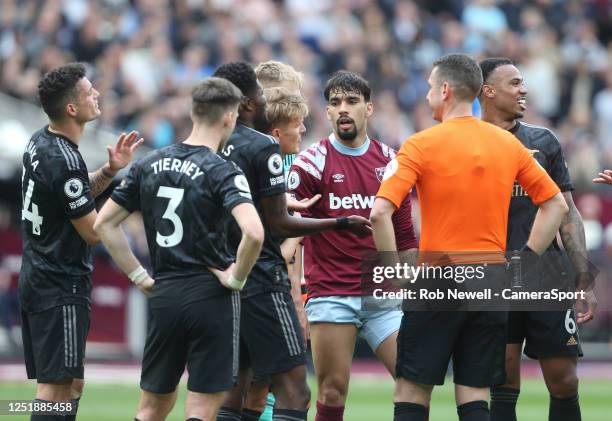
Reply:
x=464 y=171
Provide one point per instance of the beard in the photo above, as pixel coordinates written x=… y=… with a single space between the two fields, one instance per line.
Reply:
x=260 y=122
x=346 y=134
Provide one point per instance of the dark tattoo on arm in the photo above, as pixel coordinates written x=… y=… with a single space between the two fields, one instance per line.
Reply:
x=572 y=235
x=99 y=181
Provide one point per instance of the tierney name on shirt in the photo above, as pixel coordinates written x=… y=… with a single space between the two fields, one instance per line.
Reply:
x=177 y=165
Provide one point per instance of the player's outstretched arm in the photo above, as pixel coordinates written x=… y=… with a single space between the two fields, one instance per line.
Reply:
x=546 y=223
x=281 y=224
x=382 y=225
x=84 y=226
x=108 y=227
x=605 y=177
x=300 y=205
x=118 y=157
x=235 y=276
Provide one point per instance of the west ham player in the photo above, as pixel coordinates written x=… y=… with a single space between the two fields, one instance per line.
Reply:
x=270 y=330
x=346 y=169
x=58 y=214
x=550 y=337
x=464 y=192
x=185 y=192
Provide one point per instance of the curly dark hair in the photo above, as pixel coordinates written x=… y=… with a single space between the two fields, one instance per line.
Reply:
x=488 y=66
x=240 y=74
x=58 y=86
x=347 y=82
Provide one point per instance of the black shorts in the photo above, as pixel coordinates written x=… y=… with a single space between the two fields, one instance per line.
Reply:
x=546 y=333
x=271 y=337
x=54 y=342
x=475 y=340
x=197 y=331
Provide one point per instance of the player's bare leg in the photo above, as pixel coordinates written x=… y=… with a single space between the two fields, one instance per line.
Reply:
x=332 y=346
x=232 y=402
x=562 y=383
x=503 y=398
x=411 y=400
x=472 y=403
x=256 y=399
x=387 y=353
x=155 y=406
x=291 y=392
x=76 y=391
x=202 y=406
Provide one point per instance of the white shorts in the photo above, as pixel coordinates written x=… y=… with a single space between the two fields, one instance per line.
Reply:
x=373 y=326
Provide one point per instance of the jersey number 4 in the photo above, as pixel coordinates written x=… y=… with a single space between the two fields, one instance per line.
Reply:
x=32 y=215
x=176 y=196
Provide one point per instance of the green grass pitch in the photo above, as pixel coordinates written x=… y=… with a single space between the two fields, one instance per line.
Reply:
x=369 y=400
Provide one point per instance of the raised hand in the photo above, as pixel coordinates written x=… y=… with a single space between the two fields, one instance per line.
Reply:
x=605 y=177
x=121 y=154
x=300 y=205
x=359 y=226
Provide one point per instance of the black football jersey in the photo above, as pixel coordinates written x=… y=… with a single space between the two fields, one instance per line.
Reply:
x=56 y=264
x=258 y=155
x=184 y=193
x=546 y=149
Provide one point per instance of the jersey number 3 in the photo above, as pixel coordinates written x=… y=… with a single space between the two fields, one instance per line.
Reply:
x=176 y=196
x=32 y=215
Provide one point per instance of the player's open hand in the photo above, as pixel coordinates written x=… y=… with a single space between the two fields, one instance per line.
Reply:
x=299 y=205
x=121 y=155
x=605 y=177
x=359 y=226
x=146 y=286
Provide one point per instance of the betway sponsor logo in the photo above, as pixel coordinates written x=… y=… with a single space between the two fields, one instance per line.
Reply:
x=354 y=201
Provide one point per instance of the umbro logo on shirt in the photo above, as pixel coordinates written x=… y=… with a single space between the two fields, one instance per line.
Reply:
x=338 y=178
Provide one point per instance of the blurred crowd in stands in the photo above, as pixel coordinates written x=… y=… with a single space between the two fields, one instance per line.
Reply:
x=145 y=55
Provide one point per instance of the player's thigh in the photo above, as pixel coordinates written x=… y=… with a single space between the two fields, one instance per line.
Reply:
x=271 y=331
x=56 y=341
x=560 y=375
x=479 y=354
x=425 y=343
x=552 y=334
x=380 y=329
x=212 y=329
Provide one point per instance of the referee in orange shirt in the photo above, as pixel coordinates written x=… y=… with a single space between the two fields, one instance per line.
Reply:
x=464 y=171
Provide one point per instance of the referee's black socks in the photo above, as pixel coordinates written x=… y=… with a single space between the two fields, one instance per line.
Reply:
x=474 y=411
x=407 y=411
x=565 y=409
x=503 y=403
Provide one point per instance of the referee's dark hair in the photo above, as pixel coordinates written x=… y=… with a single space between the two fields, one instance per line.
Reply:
x=241 y=74
x=57 y=87
x=347 y=82
x=488 y=66
x=212 y=97
x=462 y=73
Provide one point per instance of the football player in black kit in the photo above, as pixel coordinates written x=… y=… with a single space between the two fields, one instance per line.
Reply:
x=551 y=337
x=58 y=216
x=271 y=339
x=185 y=191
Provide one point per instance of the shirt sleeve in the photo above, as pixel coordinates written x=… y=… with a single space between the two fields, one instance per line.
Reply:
x=127 y=194
x=402 y=173
x=558 y=166
x=71 y=187
x=230 y=185
x=405 y=237
x=268 y=166
x=303 y=180
x=533 y=178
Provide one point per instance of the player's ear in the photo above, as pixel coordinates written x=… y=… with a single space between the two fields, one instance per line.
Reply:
x=71 y=109
x=369 y=109
x=329 y=117
x=488 y=91
x=445 y=88
x=275 y=133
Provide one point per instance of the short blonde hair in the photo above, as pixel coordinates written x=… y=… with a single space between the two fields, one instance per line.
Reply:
x=282 y=106
x=274 y=73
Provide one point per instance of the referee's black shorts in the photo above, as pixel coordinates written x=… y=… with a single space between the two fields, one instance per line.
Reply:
x=54 y=342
